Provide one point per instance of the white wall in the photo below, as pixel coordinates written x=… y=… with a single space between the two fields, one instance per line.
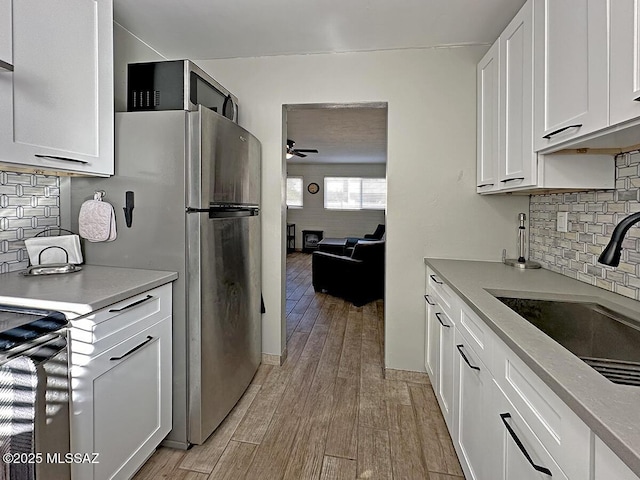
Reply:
x=432 y=208
x=127 y=49
x=334 y=223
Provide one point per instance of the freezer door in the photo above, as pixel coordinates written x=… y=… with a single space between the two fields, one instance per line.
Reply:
x=224 y=163
x=224 y=315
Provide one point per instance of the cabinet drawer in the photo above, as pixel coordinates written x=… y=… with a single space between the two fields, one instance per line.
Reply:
x=113 y=324
x=564 y=435
x=442 y=294
x=477 y=334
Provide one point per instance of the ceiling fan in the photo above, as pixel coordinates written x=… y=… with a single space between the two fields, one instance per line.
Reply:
x=299 y=152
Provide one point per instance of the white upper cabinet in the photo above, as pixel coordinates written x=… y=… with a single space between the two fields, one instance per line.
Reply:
x=488 y=83
x=571 y=70
x=625 y=60
x=6 y=56
x=517 y=159
x=56 y=107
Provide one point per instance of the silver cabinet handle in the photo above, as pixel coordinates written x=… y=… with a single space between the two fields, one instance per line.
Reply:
x=433 y=277
x=64 y=159
x=426 y=297
x=6 y=66
x=138 y=347
x=142 y=300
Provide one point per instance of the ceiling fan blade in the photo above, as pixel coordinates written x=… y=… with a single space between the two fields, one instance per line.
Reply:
x=306 y=150
x=297 y=153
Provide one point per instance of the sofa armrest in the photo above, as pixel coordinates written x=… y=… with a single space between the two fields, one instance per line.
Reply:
x=332 y=257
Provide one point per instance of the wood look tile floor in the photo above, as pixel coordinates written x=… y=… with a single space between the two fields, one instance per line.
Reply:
x=328 y=412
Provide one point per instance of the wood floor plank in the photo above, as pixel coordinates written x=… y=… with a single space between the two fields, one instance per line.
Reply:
x=397 y=391
x=235 y=462
x=254 y=425
x=442 y=476
x=203 y=458
x=162 y=464
x=436 y=443
x=343 y=429
x=406 y=453
x=373 y=410
x=302 y=303
x=295 y=394
x=374 y=454
x=352 y=347
x=310 y=315
x=255 y=422
x=293 y=319
x=338 y=469
x=307 y=455
x=272 y=455
x=261 y=375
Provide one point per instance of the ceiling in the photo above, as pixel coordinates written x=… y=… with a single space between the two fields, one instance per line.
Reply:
x=340 y=133
x=213 y=29
x=208 y=29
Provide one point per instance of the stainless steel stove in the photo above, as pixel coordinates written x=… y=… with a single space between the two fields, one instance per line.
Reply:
x=34 y=394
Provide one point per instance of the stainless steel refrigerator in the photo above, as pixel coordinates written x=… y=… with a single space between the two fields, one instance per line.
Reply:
x=195 y=178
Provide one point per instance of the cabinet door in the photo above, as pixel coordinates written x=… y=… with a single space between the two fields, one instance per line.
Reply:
x=517 y=158
x=6 y=45
x=432 y=341
x=488 y=85
x=571 y=69
x=57 y=105
x=607 y=465
x=624 y=89
x=516 y=452
x=122 y=404
x=473 y=381
x=446 y=382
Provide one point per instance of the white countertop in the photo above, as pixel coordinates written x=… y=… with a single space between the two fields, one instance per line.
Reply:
x=79 y=293
x=612 y=411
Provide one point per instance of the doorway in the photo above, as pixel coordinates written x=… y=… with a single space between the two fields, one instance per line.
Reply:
x=336 y=158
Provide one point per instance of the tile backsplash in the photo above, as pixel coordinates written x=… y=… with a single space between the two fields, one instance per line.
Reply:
x=29 y=204
x=592 y=218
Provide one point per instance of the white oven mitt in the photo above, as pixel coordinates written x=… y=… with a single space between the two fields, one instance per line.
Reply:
x=97 y=220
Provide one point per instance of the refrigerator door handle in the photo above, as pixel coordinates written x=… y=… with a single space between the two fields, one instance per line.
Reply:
x=227 y=212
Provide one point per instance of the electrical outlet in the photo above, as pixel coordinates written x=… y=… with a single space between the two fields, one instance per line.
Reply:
x=562 y=223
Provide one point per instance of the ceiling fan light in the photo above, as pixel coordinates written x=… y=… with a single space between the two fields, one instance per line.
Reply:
x=289 y=155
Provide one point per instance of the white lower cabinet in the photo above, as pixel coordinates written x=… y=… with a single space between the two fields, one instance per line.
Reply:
x=607 y=465
x=432 y=339
x=505 y=422
x=446 y=382
x=121 y=384
x=516 y=452
x=473 y=381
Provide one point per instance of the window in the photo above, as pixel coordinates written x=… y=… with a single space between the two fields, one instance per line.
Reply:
x=355 y=193
x=294 y=192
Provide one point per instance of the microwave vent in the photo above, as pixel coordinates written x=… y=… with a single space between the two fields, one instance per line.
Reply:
x=143 y=99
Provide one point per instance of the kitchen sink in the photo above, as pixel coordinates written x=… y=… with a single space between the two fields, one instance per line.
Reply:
x=607 y=341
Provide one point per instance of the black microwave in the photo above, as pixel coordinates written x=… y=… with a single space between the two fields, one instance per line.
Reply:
x=176 y=85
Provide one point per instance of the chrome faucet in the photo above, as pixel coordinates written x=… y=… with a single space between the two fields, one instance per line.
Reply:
x=611 y=254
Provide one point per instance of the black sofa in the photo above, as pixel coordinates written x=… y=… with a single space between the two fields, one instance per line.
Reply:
x=358 y=278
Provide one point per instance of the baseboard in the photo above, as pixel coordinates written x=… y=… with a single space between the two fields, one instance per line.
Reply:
x=278 y=360
x=406 y=376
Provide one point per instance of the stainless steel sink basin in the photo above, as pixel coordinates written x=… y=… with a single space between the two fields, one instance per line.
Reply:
x=607 y=341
